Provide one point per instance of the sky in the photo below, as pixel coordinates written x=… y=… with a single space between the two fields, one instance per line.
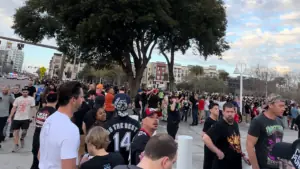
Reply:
x=260 y=32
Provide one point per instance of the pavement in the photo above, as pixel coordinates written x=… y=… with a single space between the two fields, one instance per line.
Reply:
x=23 y=159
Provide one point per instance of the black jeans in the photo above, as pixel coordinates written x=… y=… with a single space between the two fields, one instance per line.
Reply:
x=195 y=115
x=184 y=114
x=3 y=121
x=172 y=128
x=35 y=148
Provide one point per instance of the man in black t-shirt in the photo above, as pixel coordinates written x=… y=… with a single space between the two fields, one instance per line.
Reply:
x=266 y=130
x=31 y=89
x=150 y=124
x=194 y=101
x=209 y=122
x=138 y=104
x=153 y=99
x=224 y=140
x=173 y=117
x=122 y=128
x=41 y=117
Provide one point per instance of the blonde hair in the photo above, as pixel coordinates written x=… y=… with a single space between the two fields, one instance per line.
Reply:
x=99 y=137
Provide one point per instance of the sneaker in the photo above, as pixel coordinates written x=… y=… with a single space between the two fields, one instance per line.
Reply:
x=22 y=143
x=16 y=148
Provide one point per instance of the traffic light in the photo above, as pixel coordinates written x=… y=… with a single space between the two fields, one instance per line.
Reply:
x=20 y=46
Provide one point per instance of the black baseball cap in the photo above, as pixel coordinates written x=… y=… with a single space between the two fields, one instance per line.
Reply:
x=288 y=151
x=25 y=88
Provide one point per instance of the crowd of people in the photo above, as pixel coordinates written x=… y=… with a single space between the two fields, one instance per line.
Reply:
x=89 y=126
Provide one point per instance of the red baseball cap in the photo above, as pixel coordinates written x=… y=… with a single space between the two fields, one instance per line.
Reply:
x=150 y=111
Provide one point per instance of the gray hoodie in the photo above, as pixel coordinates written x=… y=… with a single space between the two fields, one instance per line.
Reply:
x=5 y=101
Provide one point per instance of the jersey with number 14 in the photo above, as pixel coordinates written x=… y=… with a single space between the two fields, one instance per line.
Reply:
x=121 y=132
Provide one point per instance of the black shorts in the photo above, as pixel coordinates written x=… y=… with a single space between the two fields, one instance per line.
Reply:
x=20 y=124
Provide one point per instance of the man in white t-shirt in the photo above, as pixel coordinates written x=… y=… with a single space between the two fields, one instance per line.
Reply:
x=206 y=109
x=22 y=110
x=59 y=138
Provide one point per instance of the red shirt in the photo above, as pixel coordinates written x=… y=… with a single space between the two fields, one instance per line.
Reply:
x=201 y=104
x=236 y=118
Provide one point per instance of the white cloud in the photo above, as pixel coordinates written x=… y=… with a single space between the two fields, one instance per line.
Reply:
x=290 y=16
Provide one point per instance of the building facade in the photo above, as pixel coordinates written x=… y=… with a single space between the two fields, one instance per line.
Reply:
x=12 y=57
x=156 y=74
x=70 y=70
x=211 y=71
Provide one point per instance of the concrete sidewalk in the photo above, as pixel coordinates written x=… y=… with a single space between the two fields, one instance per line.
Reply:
x=23 y=159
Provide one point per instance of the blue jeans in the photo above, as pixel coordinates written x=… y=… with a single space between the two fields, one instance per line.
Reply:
x=195 y=115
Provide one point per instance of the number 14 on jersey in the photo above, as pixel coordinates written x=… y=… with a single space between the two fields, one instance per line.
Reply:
x=124 y=143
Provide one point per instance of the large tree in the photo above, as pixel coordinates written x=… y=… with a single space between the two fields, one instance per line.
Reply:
x=198 y=23
x=123 y=32
x=196 y=71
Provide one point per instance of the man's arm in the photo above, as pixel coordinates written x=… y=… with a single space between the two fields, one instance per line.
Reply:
x=13 y=110
x=68 y=152
x=252 y=137
x=250 y=147
x=208 y=142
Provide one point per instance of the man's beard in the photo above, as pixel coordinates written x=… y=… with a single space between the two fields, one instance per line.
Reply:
x=229 y=120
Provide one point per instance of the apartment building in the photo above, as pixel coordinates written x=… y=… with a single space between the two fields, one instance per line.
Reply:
x=55 y=67
x=14 y=56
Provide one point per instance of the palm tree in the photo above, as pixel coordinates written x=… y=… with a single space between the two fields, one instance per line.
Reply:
x=197 y=71
x=223 y=75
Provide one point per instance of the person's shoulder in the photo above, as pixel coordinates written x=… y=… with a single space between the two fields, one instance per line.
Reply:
x=141 y=135
x=133 y=121
x=260 y=117
x=126 y=167
x=116 y=156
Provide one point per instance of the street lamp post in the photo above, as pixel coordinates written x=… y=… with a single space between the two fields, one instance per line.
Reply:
x=240 y=69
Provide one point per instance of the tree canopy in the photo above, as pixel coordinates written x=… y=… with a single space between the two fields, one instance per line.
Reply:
x=125 y=32
x=198 y=23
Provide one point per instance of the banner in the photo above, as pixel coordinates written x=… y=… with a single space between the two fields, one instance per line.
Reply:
x=8 y=45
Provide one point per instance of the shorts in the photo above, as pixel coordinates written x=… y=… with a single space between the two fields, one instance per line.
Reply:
x=20 y=124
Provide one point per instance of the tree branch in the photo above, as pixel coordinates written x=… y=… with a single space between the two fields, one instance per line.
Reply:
x=164 y=54
x=151 y=50
x=138 y=48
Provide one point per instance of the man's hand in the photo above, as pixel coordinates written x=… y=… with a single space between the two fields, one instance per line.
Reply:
x=220 y=155
x=246 y=159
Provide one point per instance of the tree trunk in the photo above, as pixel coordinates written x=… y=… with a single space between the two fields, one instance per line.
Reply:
x=62 y=67
x=171 y=68
x=134 y=82
x=171 y=77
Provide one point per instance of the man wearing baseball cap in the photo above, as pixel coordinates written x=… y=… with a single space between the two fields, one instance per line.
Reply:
x=265 y=130
x=287 y=153
x=99 y=90
x=149 y=126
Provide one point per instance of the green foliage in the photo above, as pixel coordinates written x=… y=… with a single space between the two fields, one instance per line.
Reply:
x=201 y=24
x=223 y=75
x=125 y=32
x=197 y=71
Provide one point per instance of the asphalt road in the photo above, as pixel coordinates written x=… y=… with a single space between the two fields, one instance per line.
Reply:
x=23 y=159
